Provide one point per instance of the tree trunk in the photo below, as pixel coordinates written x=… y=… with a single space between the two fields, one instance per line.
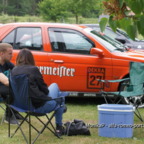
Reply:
x=5 y=4
x=77 y=20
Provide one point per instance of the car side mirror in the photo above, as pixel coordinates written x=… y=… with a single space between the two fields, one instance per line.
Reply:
x=97 y=51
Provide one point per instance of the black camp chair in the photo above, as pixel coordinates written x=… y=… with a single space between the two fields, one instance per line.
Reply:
x=134 y=87
x=20 y=91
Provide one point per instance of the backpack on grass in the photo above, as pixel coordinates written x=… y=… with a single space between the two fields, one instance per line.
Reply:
x=77 y=127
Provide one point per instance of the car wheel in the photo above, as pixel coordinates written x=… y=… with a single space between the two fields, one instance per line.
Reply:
x=132 y=100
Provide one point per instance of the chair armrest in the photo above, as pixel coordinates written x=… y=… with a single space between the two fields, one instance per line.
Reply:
x=118 y=80
x=107 y=82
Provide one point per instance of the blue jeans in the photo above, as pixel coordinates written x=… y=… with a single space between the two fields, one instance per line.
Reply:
x=49 y=106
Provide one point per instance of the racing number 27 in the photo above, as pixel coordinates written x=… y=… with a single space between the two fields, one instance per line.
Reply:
x=94 y=81
x=94 y=74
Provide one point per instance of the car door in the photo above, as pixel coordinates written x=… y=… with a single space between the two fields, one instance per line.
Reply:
x=32 y=38
x=71 y=64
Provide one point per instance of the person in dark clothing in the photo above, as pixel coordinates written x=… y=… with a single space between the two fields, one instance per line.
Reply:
x=5 y=64
x=6 y=51
x=4 y=89
x=41 y=95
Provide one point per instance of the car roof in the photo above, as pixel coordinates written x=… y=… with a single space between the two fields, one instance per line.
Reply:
x=95 y=25
x=42 y=24
x=90 y=24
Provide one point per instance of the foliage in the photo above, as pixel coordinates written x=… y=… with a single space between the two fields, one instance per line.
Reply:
x=53 y=9
x=19 y=7
x=81 y=7
x=127 y=15
x=56 y=10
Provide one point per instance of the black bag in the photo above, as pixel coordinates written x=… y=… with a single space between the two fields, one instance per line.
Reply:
x=77 y=127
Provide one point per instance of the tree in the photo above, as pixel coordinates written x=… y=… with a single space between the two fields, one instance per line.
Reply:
x=56 y=10
x=79 y=7
x=33 y=7
x=125 y=14
x=53 y=9
x=19 y=7
x=3 y=6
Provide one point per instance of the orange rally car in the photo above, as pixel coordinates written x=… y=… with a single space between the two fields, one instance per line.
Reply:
x=72 y=56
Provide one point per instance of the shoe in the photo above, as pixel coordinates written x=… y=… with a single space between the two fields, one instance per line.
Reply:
x=60 y=130
x=18 y=116
x=12 y=121
x=64 y=109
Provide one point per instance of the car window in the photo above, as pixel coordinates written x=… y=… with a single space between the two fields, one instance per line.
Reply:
x=124 y=34
x=107 y=32
x=107 y=42
x=110 y=33
x=25 y=38
x=70 y=41
x=9 y=38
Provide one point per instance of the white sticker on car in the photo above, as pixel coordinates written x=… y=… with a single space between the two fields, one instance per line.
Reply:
x=57 y=71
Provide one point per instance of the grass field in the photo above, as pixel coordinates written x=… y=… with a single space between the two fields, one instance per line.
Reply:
x=71 y=20
x=84 y=109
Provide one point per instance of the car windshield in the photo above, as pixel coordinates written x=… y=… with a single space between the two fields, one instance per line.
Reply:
x=110 y=44
x=124 y=33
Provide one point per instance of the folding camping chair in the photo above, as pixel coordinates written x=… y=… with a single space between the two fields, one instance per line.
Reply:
x=134 y=87
x=20 y=90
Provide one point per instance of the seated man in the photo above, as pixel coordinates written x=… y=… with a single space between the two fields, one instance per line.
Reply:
x=6 y=52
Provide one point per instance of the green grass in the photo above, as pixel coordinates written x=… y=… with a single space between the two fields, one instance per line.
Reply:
x=10 y=19
x=83 y=110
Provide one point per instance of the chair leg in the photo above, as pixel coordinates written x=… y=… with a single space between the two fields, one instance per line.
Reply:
x=19 y=127
x=46 y=126
x=138 y=115
x=27 y=119
x=136 y=112
x=49 y=119
x=29 y=129
x=104 y=96
x=119 y=100
x=108 y=99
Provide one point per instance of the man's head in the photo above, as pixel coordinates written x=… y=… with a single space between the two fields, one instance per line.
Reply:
x=6 y=51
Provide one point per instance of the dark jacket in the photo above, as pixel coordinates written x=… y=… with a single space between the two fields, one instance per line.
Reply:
x=6 y=66
x=38 y=88
x=4 y=90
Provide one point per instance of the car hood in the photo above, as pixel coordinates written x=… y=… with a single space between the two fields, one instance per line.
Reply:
x=132 y=55
x=136 y=45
